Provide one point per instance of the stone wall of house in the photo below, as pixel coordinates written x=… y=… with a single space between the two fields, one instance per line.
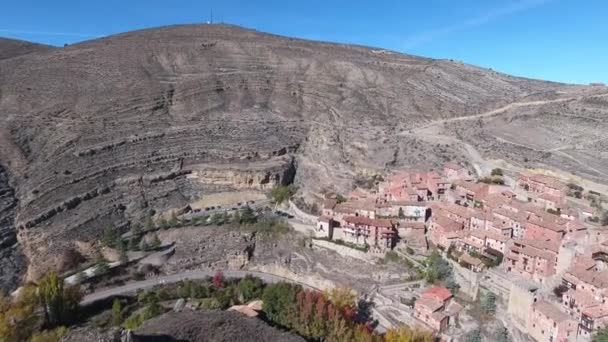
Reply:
x=520 y=304
x=467 y=279
x=345 y=251
x=301 y=215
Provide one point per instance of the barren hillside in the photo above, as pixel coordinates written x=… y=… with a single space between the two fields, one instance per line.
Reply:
x=12 y=48
x=104 y=132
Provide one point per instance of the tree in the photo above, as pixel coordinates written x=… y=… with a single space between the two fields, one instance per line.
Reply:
x=116 y=312
x=501 y=334
x=110 y=236
x=401 y=214
x=102 y=268
x=488 y=303
x=452 y=285
x=135 y=230
x=124 y=258
x=133 y=245
x=59 y=304
x=497 y=172
x=560 y=290
x=155 y=242
x=282 y=193
x=279 y=303
x=600 y=335
x=473 y=336
x=217 y=219
x=173 y=221
x=247 y=216
x=218 y=280
x=340 y=198
x=250 y=288
x=436 y=268
x=341 y=297
x=406 y=334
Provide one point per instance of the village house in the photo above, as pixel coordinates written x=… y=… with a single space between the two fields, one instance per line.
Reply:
x=542 y=185
x=403 y=210
x=454 y=211
x=592 y=319
x=532 y=259
x=364 y=231
x=441 y=230
x=430 y=308
x=472 y=263
x=548 y=324
x=453 y=171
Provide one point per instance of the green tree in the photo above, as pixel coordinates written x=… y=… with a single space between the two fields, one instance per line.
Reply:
x=124 y=258
x=473 y=336
x=116 y=318
x=217 y=219
x=401 y=214
x=279 y=303
x=133 y=244
x=136 y=230
x=497 y=172
x=501 y=334
x=600 y=335
x=247 y=216
x=110 y=236
x=282 y=193
x=488 y=303
x=250 y=288
x=102 y=268
x=155 y=241
x=452 y=285
x=436 y=268
x=173 y=220
x=340 y=198
x=59 y=303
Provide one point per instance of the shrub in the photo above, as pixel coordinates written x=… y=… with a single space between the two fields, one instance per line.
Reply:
x=60 y=304
x=150 y=311
x=250 y=288
x=496 y=172
x=54 y=335
x=282 y=193
x=210 y=304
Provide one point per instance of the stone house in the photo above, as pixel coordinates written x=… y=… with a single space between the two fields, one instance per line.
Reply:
x=441 y=230
x=549 y=324
x=431 y=306
x=363 y=231
x=532 y=259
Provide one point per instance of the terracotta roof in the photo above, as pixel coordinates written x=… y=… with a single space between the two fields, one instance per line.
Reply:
x=408 y=203
x=456 y=209
x=431 y=303
x=582 y=298
x=471 y=260
x=596 y=311
x=547 y=223
x=438 y=292
x=597 y=279
x=447 y=223
x=497 y=237
x=551 y=311
x=412 y=225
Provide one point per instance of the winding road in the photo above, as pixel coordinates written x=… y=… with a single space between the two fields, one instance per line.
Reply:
x=132 y=288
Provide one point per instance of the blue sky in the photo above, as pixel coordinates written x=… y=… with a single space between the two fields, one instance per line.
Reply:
x=560 y=40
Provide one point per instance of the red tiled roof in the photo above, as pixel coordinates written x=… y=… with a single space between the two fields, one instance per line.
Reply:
x=551 y=311
x=366 y=221
x=432 y=304
x=438 y=292
x=447 y=223
x=596 y=311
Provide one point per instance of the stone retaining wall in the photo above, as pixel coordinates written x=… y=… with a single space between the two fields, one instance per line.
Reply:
x=343 y=250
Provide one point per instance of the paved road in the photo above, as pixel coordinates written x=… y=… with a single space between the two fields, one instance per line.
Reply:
x=132 y=288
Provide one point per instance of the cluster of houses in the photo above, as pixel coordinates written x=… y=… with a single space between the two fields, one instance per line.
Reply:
x=528 y=229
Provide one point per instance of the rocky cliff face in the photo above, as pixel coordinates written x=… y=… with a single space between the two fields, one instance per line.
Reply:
x=12 y=260
x=107 y=131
